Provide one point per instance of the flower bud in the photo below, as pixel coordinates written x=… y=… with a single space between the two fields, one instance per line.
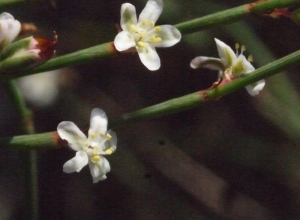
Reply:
x=9 y=29
x=26 y=53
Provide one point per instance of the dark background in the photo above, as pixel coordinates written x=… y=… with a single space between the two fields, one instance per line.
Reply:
x=235 y=158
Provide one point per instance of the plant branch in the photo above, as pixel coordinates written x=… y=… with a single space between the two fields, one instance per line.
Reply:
x=105 y=50
x=51 y=139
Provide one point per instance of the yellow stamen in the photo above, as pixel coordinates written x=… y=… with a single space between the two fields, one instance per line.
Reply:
x=132 y=28
x=141 y=44
x=92 y=134
x=110 y=150
x=243 y=48
x=144 y=22
x=152 y=23
x=96 y=158
x=250 y=58
x=155 y=39
x=108 y=136
x=158 y=28
x=237 y=46
x=95 y=151
x=87 y=144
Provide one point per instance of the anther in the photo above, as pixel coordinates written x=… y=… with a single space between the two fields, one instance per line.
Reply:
x=132 y=28
x=152 y=23
x=237 y=46
x=243 y=48
x=92 y=134
x=101 y=134
x=158 y=28
x=110 y=150
x=96 y=158
x=141 y=44
x=144 y=22
x=155 y=39
x=108 y=137
x=250 y=58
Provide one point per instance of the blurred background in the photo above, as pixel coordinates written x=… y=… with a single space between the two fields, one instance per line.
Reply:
x=235 y=158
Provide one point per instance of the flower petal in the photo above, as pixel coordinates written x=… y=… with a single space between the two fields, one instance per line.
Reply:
x=76 y=163
x=98 y=125
x=152 y=11
x=225 y=53
x=149 y=57
x=123 y=41
x=10 y=28
x=255 y=88
x=99 y=169
x=169 y=35
x=128 y=16
x=241 y=66
x=207 y=62
x=68 y=131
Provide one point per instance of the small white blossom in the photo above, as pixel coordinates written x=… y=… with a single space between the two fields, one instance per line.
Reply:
x=143 y=34
x=9 y=29
x=230 y=65
x=89 y=150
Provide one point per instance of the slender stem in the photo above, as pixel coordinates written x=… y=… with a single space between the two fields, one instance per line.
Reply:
x=12 y=2
x=105 y=50
x=232 y=15
x=195 y=99
x=91 y=54
x=30 y=159
x=51 y=139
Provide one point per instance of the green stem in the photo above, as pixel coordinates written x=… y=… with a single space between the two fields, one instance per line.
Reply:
x=195 y=99
x=12 y=2
x=233 y=15
x=30 y=159
x=91 y=54
x=172 y=106
x=105 y=50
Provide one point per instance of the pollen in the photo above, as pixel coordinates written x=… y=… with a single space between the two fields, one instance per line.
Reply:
x=155 y=39
x=101 y=134
x=144 y=22
x=108 y=136
x=96 y=158
x=152 y=23
x=158 y=28
x=141 y=44
x=132 y=28
x=92 y=134
x=110 y=150
x=86 y=144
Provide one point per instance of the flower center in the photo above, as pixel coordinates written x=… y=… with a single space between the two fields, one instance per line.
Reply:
x=96 y=147
x=144 y=34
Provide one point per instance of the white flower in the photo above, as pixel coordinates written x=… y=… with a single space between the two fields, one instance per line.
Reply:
x=230 y=65
x=89 y=150
x=9 y=29
x=143 y=34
